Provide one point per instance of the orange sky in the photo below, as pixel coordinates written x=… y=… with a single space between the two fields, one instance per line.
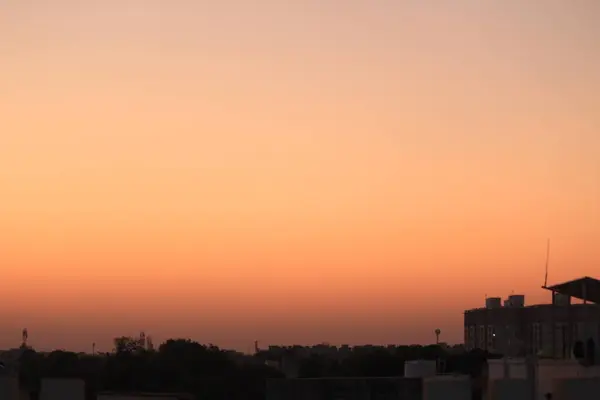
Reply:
x=235 y=171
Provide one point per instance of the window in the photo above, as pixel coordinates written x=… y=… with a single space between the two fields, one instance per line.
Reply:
x=561 y=340
x=564 y=338
x=491 y=337
x=481 y=338
x=471 y=337
x=536 y=337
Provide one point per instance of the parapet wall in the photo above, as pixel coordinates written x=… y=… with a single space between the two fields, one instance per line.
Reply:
x=9 y=388
x=62 y=389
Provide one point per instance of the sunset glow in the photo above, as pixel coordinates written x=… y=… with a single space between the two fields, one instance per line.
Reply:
x=291 y=172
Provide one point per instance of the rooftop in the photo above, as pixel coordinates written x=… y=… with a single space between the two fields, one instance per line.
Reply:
x=527 y=307
x=586 y=288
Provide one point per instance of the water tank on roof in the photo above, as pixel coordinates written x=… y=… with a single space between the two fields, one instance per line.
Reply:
x=420 y=368
x=493 y=302
x=516 y=300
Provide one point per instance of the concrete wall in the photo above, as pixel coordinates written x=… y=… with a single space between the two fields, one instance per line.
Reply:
x=62 y=389
x=126 y=397
x=9 y=388
x=550 y=370
x=24 y=395
x=546 y=372
x=447 y=388
x=344 y=388
x=510 y=389
x=576 y=389
x=291 y=389
x=516 y=368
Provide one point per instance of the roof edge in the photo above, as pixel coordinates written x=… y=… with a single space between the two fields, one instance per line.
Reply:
x=582 y=279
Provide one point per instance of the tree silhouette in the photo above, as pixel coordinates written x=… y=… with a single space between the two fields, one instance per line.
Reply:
x=182 y=365
x=127 y=345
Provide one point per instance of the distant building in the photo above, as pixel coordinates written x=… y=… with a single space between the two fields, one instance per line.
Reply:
x=551 y=330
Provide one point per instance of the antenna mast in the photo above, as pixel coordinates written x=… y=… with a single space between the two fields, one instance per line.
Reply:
x=25 y=336
x=547 y=262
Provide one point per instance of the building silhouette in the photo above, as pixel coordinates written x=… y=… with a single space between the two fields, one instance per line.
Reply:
x=551 y=330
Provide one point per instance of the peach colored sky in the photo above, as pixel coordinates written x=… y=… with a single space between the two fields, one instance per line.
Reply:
x=291 y=172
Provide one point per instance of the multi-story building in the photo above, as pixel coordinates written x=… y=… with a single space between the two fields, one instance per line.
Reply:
x=552 y=330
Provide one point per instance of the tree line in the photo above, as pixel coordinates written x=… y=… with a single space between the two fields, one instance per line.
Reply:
x=208 y=372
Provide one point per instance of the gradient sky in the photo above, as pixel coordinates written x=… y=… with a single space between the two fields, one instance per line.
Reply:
x=290 y=172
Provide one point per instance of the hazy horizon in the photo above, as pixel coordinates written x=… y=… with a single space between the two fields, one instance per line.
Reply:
x=318 y=171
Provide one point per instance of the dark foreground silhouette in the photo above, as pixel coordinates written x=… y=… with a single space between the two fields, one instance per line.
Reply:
x=208 y=372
